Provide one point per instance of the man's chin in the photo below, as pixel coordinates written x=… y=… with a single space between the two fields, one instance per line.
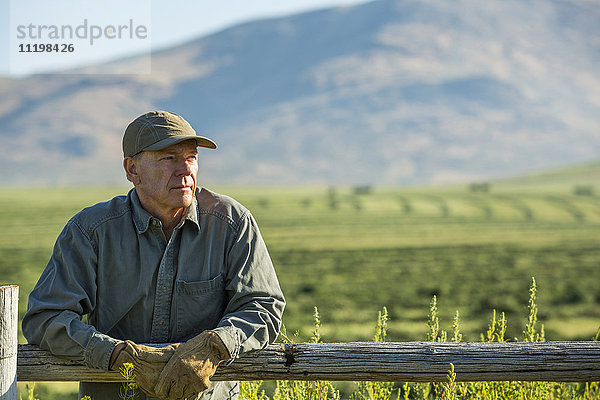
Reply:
x=185 y=198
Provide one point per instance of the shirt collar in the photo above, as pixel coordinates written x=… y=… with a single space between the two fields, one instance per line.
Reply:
x=143 y=218
x=192 y=214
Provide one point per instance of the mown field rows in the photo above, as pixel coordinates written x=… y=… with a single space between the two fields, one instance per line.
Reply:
x=351 y=251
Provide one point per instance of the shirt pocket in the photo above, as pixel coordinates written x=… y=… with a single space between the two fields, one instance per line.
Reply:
x=200 y=305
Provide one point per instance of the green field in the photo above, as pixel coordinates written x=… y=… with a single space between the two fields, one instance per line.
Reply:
x=399 y=247
x=351 y=251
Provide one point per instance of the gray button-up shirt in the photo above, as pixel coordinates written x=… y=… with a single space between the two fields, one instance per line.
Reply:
x=112 y=263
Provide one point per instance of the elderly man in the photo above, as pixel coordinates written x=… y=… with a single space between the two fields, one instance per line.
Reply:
x=167 y=263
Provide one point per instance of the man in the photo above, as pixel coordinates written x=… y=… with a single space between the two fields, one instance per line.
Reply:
x=167 y=263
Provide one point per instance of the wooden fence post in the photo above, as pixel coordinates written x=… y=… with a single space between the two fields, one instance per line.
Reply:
x=9 y=301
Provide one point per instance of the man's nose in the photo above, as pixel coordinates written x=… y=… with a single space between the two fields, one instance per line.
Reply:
x=184 y=167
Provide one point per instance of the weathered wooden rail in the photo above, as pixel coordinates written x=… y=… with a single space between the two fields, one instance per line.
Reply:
x=368 y=361
x=357 y=361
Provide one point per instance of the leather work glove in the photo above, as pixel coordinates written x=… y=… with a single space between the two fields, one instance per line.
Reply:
x=188 y=372
x=147 y=362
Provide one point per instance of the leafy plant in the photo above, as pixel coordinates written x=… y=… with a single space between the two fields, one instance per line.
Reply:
x=250 y=390
x=306 y=390
x=376 y=390
x=129 y=386
x=450 y=389
x=30 y=392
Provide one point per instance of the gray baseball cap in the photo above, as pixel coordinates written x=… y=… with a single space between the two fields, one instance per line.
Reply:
x=158 y=130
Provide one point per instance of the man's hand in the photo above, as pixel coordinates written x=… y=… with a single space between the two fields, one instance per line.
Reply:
x=147 y=362
x=188 y=372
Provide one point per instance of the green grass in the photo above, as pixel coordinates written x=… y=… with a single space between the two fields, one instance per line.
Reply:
x=391 y=246
x=350 y=254
x=450 y=389
x=474 y=251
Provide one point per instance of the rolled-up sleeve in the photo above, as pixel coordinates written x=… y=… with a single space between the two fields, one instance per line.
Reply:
x=253 y=315
x=64 y=293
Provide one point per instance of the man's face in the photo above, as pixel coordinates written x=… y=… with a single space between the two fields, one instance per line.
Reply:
x=166 y=179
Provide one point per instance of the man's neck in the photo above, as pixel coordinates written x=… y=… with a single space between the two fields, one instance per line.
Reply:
x=169 y=218
x=170 y=221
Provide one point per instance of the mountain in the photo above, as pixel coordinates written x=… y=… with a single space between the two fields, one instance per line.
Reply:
x=385 y=92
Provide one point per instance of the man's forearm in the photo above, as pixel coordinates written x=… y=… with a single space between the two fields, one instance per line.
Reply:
x=65 y=335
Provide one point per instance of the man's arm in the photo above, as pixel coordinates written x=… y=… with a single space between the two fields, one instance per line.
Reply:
x=64 y=293
x=253 y=315
x=252 y=318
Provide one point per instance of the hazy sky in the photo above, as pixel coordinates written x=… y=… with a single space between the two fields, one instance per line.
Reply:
x=27 y=24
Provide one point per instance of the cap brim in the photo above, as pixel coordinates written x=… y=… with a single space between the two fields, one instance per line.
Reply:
x=201 y=141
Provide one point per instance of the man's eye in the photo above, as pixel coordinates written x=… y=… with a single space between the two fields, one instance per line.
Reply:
x=168 y=158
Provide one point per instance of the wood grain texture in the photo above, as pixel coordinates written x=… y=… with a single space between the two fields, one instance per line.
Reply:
x=9 y=302
x=361 y=361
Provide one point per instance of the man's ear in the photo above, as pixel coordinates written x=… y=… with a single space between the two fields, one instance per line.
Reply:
x=131 y=170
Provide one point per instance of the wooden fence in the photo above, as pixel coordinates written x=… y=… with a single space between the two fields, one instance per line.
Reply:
x=358 y=361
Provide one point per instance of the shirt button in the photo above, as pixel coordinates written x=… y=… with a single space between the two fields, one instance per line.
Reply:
x=161 y=322
x=164 y=289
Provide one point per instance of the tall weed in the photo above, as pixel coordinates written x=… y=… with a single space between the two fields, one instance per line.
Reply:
x=305 y=390
x=448 y=390
x=376 y=390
